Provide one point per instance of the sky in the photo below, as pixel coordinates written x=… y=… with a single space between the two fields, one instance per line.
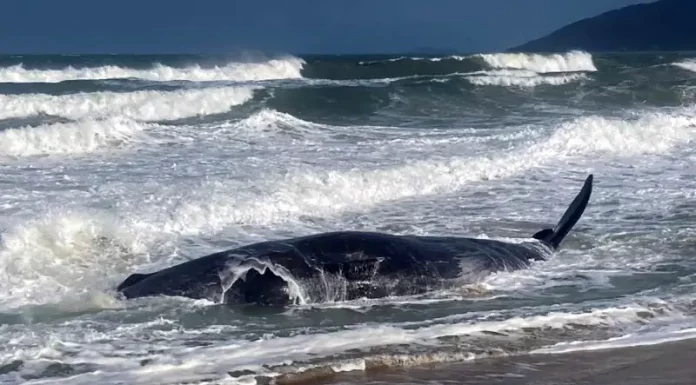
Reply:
x=283 y=26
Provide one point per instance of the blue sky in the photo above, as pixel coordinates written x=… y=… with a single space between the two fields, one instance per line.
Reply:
x=295 y=26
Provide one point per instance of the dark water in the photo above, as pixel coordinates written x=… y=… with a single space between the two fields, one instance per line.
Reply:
x=116 y=164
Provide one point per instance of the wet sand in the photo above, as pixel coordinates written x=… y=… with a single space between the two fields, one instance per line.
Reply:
x=664 y=364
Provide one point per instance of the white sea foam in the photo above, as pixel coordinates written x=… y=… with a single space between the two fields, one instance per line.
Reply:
x=531 y=70
x=281 y=68
x=65 y=256
x=68 y=138
x=522 y=78
x=169 y=363
x=625 y=341
x=139 y=105
x=568 y=62
x=322 y=193
x=688 y=64
x=272 y=121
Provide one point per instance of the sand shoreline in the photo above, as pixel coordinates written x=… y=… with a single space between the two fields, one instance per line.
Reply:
x=663 y=364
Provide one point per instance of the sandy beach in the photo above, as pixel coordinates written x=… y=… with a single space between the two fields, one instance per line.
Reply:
x=664 y=364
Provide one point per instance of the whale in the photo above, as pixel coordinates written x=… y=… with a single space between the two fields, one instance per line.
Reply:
x=349 y=265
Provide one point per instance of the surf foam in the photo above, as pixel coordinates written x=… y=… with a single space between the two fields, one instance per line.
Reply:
x=68 y=138
x=273 y=121
x=688 y=64
x=649 y=133
x=568 y=62
x=164 y=362
x=281 y=68
x=139 y=105
x=64 y=256
x=521 y=78
x=324 y=193
x=625 y=341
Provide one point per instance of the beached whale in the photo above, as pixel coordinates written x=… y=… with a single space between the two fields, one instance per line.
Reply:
x=346 y=265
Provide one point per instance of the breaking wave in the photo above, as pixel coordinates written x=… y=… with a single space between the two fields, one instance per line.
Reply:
x=688 y=64
x=572 y=61
x=139 y=105
x=324 y=193
x=271 y=121
x=68 y=138
x=502 y=69
x=523 y=78
x=568 y=62
x=284 y=68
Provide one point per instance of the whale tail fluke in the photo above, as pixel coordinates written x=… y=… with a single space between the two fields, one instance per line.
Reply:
x=554 y=236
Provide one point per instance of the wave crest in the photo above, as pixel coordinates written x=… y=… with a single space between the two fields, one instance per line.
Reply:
x=283 y=68
x=688 y=64
x=139 y=105
x=68 y=138
x=508 y=78
x=325 y=192
x=572 y=61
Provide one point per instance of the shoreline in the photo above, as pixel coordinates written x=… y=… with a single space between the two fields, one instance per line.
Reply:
x=670 y=363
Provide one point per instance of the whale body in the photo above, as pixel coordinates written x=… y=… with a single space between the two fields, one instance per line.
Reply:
x=347 y=265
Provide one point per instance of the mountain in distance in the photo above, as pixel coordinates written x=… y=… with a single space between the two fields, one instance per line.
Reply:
x=664 y=25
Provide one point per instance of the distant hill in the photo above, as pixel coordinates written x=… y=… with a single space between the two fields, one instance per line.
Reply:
x=665 y=25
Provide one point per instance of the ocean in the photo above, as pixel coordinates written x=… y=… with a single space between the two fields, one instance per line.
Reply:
x=115 y=164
